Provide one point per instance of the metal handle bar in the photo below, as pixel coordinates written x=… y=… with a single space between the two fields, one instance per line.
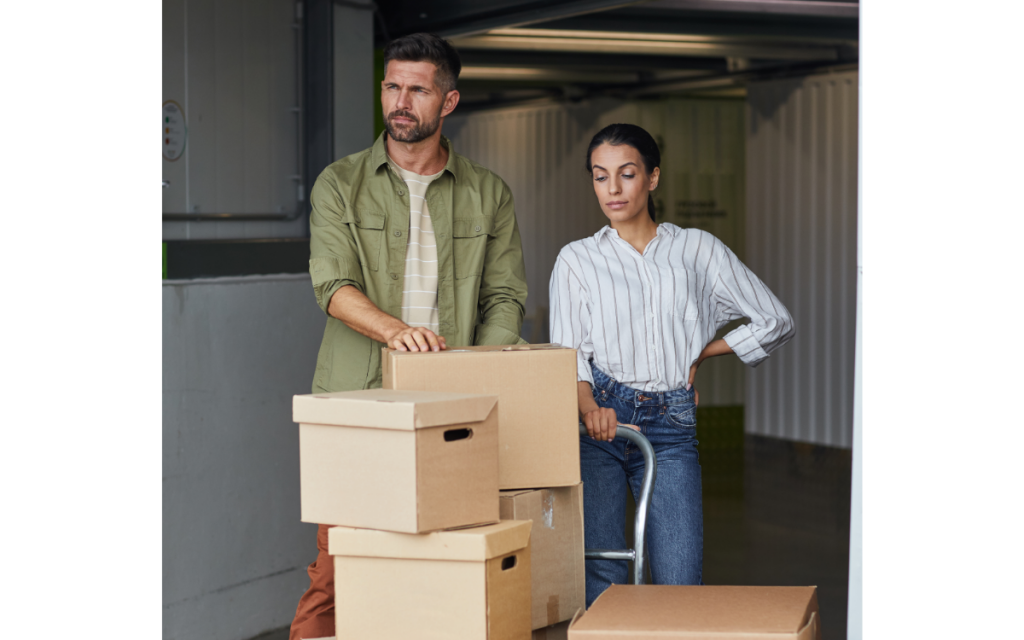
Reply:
x=636 y=554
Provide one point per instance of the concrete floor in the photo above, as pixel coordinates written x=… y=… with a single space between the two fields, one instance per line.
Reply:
x=791 y=525
x=775 y=513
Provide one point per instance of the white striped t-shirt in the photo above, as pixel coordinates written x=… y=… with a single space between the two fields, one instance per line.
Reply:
x=644 y=319
x=419 y=289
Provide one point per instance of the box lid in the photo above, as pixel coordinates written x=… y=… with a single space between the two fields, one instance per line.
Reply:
x=548 y=346
x=390 y=409
x=721 y=612
x=515 y=493
x=470 y=544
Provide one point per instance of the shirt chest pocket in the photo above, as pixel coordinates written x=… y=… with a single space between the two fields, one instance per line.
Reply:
x=368 y=231
x=686 y=301
x=469 y=244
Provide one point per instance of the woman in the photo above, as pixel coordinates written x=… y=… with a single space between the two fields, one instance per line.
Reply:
x=641 y=303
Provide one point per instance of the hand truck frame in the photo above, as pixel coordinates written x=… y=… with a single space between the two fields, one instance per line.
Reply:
x=637 y=555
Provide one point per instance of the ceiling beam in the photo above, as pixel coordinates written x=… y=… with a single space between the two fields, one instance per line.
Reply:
x=820 y=8
x=453 y=19
x=572 y=60
x=650 y=44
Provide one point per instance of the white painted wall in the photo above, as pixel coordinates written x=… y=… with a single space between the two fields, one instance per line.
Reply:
x=235 y=350
x=855 y=609
x=540 y=151
x=232 y=66
x=802 y=241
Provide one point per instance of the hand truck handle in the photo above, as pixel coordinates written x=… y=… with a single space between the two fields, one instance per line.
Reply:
x=637 y=553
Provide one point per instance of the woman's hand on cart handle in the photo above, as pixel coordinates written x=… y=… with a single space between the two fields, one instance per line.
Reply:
x=601 y=423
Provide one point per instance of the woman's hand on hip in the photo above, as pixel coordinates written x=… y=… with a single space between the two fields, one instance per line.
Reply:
x=601 y=423
x=715 y=348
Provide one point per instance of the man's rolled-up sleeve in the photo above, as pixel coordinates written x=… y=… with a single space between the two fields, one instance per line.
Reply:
x=333 y=254
x=502 y=302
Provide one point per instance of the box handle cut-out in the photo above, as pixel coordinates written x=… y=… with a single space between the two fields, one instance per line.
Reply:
x=508 y=563
x=457 y=434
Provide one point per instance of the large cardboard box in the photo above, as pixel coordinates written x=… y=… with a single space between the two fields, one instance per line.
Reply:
x=538 y=433
x=467 y=584
x=662 y=612
x=556 y=549
x=409 y=461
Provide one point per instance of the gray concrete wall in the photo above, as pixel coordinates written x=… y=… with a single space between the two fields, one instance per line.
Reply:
x=235 y=350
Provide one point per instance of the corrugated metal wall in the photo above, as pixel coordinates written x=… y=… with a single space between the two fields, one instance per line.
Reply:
x=540 y=151
x=231 y=65
x=802 y=241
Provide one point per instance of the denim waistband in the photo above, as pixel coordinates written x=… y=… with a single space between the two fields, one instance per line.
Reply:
x=606 y=383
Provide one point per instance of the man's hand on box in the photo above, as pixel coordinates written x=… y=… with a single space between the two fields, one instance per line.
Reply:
x=416 y=339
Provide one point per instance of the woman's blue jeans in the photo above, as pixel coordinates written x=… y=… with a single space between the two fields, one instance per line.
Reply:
x=675 y=521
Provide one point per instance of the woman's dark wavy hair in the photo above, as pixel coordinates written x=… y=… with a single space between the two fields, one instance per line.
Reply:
x=634 y=136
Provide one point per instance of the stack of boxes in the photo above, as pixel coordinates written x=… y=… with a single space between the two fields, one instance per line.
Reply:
x=458 y=493
x=538 y=453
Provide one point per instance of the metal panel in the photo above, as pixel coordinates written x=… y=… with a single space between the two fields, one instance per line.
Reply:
x=540 y=151
x=234 y=550
x=802 y=241
x=232 y=66
x=354 y=98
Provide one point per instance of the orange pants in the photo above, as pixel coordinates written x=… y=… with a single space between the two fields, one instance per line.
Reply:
x=314 y=617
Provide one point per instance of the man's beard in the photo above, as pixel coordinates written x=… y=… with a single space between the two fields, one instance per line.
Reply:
x=416 y=132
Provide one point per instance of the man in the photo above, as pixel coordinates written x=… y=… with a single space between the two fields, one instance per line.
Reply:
x=413 y=247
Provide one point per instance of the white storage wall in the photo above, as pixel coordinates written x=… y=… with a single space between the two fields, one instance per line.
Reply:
x=540 y=151
x=802 y=241
x=232 y=66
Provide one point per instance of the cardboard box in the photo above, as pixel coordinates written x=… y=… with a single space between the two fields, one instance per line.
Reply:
x=409 y=461
x=558 y=582
x=468 y=584
x=558 y=631
x=538 y=433
x=661 y=612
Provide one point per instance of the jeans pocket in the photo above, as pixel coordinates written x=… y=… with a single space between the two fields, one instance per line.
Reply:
x=682 y=415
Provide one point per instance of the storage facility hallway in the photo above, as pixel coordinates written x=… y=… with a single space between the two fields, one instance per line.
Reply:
x=754 y=105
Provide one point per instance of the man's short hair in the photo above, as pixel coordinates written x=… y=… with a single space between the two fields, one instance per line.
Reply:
x=426 y=47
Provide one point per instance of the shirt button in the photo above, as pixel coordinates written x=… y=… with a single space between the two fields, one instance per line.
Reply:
x=476 y=228
x=398 y=234
x=401 y=193
x=394 y=276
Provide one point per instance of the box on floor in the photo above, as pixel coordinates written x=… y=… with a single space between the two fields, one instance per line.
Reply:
x=538 y=433
x=663 y=612
x=408 y=461
x=556 y=549
x=467 y=584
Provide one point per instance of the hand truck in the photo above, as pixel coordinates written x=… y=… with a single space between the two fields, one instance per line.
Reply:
x=637 y=553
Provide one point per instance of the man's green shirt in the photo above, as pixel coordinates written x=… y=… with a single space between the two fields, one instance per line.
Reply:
x=359 y=229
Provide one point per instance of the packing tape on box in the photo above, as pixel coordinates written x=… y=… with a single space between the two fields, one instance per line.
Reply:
x=553 y=610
